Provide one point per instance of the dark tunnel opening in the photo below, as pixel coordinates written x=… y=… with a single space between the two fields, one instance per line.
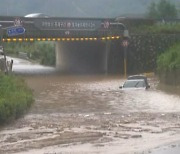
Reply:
x=90 y=57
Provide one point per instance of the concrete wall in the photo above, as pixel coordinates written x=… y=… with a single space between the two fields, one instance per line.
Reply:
x=170 y=77
x=143 y=51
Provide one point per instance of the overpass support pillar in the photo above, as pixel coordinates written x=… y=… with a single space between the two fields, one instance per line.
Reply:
x=59 y=56
x=106 y=56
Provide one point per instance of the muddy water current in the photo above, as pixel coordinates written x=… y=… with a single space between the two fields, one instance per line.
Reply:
x=84 y=114
x=96 y=94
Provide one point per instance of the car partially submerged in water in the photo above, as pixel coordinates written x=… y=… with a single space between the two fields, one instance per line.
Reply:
x=136 y=82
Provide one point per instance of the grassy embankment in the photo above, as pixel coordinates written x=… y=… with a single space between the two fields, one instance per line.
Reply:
x=157 y=29
x=15 y=98
x=168 y=66
x=42 y=52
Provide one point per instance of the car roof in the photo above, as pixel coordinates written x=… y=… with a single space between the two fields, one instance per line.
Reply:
x=137 y=77
x=142 y=80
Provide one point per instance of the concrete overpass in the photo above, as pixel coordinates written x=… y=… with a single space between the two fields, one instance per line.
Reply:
x=82 y=44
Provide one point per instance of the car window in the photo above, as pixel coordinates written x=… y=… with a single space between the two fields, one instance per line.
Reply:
x=134 y=83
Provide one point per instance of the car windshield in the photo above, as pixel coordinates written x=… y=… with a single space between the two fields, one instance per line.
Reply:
x=134 y=84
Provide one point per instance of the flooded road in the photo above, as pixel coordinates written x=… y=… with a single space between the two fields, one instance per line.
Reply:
x=90 y=114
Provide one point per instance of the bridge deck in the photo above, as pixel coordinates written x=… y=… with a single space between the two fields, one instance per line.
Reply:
x=62 y=28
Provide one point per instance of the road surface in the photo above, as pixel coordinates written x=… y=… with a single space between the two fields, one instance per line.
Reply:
x=90 y=114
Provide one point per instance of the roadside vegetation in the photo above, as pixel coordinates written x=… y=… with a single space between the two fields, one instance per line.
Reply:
x=163 y=15
x=161 y=28
x=15 y=98
x=42 y=52
x=163 y=9
x=168 y=66
x=170 y=60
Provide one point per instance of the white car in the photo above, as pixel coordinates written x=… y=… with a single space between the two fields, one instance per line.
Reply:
x=135 y=83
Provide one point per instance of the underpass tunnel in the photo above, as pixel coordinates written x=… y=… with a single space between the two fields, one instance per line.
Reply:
x=81 y=57
x=89 y=57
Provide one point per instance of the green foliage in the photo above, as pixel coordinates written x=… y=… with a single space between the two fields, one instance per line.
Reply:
x=168 y=28
x=163 y=9
x=170 y=60
x=15 y=97
x=152 y=10
x=43 y=52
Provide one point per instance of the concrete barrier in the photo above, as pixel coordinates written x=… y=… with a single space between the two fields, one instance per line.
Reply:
x=170 y=77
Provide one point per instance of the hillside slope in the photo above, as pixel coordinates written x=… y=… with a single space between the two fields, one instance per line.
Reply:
x=77 y=8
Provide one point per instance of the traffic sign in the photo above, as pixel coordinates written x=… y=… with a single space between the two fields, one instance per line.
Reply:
x=12 y=31
x=125 y=43
x=17 y=22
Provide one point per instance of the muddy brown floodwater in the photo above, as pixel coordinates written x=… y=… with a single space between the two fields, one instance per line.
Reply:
x=90 y=114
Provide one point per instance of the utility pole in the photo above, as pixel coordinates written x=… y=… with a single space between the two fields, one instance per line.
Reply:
x=1 y=33
x=125 y=44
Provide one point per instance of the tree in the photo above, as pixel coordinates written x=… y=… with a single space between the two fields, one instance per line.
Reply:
x=152 y=10
x=164 y=9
